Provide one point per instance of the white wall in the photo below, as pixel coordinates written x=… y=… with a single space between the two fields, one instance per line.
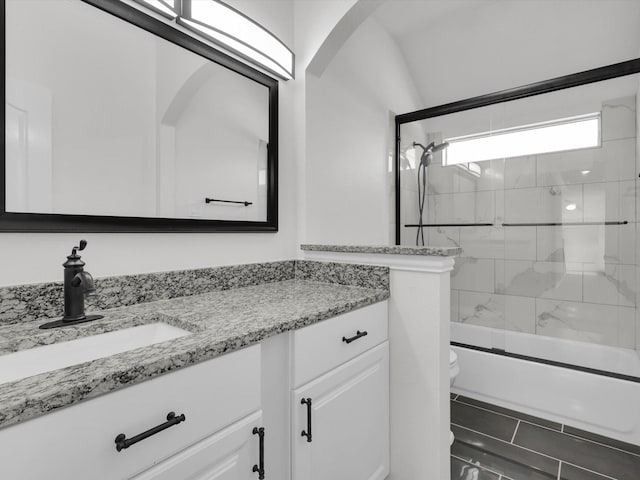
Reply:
x=472 y=47
x=37 y=257
x=349 y=139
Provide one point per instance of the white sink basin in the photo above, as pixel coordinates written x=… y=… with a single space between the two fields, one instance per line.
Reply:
x=34 y=361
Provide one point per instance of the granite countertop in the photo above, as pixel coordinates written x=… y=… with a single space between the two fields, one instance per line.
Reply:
x=220 y=322
x=390 y=250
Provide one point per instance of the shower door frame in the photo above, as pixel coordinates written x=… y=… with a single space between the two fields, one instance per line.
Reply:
x=607 y=72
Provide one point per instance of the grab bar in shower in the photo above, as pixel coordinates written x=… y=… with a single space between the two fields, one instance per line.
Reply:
x=560 y=224
x=427 y=225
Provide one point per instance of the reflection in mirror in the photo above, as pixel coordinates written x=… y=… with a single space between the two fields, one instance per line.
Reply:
x=103 y=118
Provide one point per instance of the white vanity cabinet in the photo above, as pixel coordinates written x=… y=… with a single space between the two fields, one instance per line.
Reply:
x=227 y=455
x=220 y=399
x=340 y=418
x=242 y=412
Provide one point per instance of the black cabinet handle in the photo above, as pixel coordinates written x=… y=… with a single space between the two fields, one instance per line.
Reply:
x=307 y=402
x=123 y=442
x=358 y=335
x=260 y=468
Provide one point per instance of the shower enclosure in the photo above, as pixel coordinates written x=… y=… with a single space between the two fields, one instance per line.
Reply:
x=538 y=186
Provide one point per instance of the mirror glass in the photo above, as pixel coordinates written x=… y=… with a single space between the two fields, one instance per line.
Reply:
x=105 y=119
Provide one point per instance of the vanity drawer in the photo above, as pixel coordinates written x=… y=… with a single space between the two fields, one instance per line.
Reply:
x=320 y=347
x=79 y=441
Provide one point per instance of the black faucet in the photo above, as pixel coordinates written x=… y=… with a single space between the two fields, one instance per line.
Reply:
x=78 y=285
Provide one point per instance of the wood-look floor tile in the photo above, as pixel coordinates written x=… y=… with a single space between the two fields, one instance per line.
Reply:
x=511 y=413
x=592 y=456
x=483 y=421
x=502 y=457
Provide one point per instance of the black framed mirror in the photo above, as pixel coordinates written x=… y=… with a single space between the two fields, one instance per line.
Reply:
x=116 y=121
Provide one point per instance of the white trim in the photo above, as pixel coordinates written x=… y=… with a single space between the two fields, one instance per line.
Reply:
x=409 y=263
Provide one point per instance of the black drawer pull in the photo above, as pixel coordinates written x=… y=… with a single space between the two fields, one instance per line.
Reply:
x=358 y=335
x=307 y=402
x=256 y=468
x=123 y=442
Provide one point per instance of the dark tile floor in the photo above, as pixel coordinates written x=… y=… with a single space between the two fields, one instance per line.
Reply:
x=494 y=443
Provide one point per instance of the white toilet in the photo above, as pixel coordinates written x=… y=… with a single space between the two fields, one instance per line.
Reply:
x=454 y=369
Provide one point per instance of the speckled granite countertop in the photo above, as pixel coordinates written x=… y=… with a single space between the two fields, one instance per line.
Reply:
x=390 y=250
x=221 y=321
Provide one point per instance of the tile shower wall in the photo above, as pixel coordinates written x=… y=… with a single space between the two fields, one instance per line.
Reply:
x=574 y=282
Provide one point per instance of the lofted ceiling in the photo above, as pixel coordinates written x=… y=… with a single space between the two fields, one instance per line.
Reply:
x=457 y=49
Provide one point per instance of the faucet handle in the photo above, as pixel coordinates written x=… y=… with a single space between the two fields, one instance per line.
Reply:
x=83 y=245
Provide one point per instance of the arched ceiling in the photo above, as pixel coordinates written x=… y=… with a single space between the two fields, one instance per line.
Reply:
x=457 y=49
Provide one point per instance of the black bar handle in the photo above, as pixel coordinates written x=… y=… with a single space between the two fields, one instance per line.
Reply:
x=123 y=442
x=427 y=225
x=559 y=224
x=243 y=202
x=358 y=335
x=260 y=467
x=307 y=402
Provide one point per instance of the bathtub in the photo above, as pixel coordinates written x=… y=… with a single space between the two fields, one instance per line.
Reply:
x=597 y=403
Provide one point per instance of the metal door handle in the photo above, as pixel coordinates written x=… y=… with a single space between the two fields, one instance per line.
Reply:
x=307 y=402
x=358 y=335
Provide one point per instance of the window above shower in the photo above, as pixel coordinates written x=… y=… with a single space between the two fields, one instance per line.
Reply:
x=540 y=193
x=557 y=135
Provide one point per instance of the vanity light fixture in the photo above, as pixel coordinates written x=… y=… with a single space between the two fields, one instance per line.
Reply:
x=555 y=136
x=227 y=27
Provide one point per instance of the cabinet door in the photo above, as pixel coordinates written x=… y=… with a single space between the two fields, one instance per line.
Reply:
x=227 y=455
x=349 y=421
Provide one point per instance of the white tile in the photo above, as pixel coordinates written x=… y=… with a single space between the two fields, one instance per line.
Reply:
x=543 y=279
x=520 y=314
x=482 y=242
x=408 y=179
x=619 y=118
x=455 y=312
x=586 y=322
x=499 y=206
x=620 y=243
x=473 y=274
x=520 y=205
x=626 y=327
x=610 y=284
x=442 y=179
x=544 y=205
x=598 y=244
x=611 y=201
x=585 y=243
x=444 y=236
x=498 y=269
x=520 y=243
x=469 y=207
x=638 y=329
x=612 y=162
x=491 y=177
x=520 y=172
x=483 y=309
x=409 y=213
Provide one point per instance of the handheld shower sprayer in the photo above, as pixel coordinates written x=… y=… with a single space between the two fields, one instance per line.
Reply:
x=425 y=160
x=429 y=150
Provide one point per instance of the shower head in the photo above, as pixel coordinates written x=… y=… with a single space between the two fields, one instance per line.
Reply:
x=427 y=152
x=439 y=148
